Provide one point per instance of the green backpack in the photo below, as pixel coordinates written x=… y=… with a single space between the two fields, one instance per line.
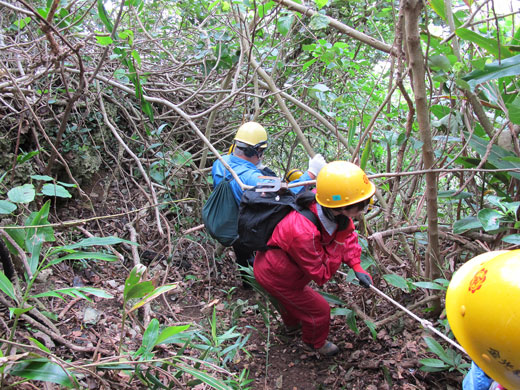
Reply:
x=220 y=214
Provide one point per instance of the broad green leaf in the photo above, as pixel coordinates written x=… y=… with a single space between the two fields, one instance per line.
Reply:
x=55 y=190
x=351 y=322
x=321 y=3
x=319 y=21
x=39 y=345
x=139 y=290
x=332 y=299
x=495 y=70
x=367 y=150
x=76 y=292
x=465 y=224
x=136 y=56
x=103 y=15
x=42 y=370
x=429 y=285
x=437 y=349
x=6 y=286
x=450 y=193
x=513 y=109
x=284 y=24
x=93 y=241
x=204 y=377
x=7 y=207
x=35 y=237
x=490 y=219
x=396 y=281
x=488 y=44
x=150 y=335
x=104 y=40
x=309 y=63
x=372 y=328
x=154 y=294
x=433 y=363
x=512 y=239
x=85 y=256
x=22 y=194
x=497 y=157
x=42 y=177
x=17 y=311
x=23 y=157
x=168 y=335
x=133 y=278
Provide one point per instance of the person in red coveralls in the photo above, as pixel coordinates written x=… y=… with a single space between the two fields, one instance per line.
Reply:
x=300 y=252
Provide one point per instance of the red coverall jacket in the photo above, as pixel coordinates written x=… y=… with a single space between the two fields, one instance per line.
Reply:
x=305 y=254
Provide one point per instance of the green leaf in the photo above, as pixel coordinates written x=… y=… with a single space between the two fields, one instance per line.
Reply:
x=150 y=335
x=465 y=224
x=204 y=377
x=76 y=292
x=93 y=241
x=139 y=290
x=450 y=193
x=39 y=345
x=498 y=156
x=396 y=281
x=429 y=285
x=513 y=109
x=136 y=57
x=168 y=335
x=488 y=44
x=332 y=299
x=23 y=157
x=103 y=15
x=154 y=294
x=284 y=24
x=372 y=327
x=512 y=239
x=7 y=207
x=495 y=70
x=55 y=190
x=85 y=256
x=490 y=219
x=42 y=370
x=6 y=286
x=42 y=177
x=104 y=40
x=35 y=237
x=351 y=322
x=433 y=363
x=22 y=194
x=321 y=3
x=437 y=349
x=319 y=21
x=17 y=311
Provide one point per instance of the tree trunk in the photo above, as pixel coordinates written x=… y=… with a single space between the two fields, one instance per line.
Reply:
x=412 y=10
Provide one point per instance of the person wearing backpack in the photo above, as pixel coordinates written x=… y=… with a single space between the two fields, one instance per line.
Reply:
x=299 y=252
x=245 y=159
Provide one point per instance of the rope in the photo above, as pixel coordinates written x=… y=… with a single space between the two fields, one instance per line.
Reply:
x=424 y=323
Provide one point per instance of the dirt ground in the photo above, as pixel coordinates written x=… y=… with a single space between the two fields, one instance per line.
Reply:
x=275 y=361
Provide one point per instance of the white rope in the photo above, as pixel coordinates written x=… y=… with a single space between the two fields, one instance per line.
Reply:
x=425 y=323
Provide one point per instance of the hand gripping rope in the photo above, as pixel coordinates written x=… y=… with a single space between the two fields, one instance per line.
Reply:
x=424 y=323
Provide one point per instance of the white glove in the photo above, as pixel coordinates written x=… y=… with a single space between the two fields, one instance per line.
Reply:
x=316 y=163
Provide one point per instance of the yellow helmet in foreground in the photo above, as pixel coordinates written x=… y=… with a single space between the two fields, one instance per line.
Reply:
x=483 y=309
x=342 y=183
x=253 y=134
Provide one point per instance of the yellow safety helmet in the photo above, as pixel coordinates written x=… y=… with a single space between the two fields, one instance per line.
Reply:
x=293 y=174
x=483 y=309
x=342 y=183
x=253 y=134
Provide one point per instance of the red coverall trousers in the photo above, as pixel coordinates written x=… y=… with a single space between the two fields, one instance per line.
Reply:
x=304 y=254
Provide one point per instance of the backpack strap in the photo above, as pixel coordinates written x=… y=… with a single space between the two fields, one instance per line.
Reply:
x=307 y=213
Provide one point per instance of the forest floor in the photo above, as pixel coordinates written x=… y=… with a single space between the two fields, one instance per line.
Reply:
x=209 y=283
x=274 y=361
